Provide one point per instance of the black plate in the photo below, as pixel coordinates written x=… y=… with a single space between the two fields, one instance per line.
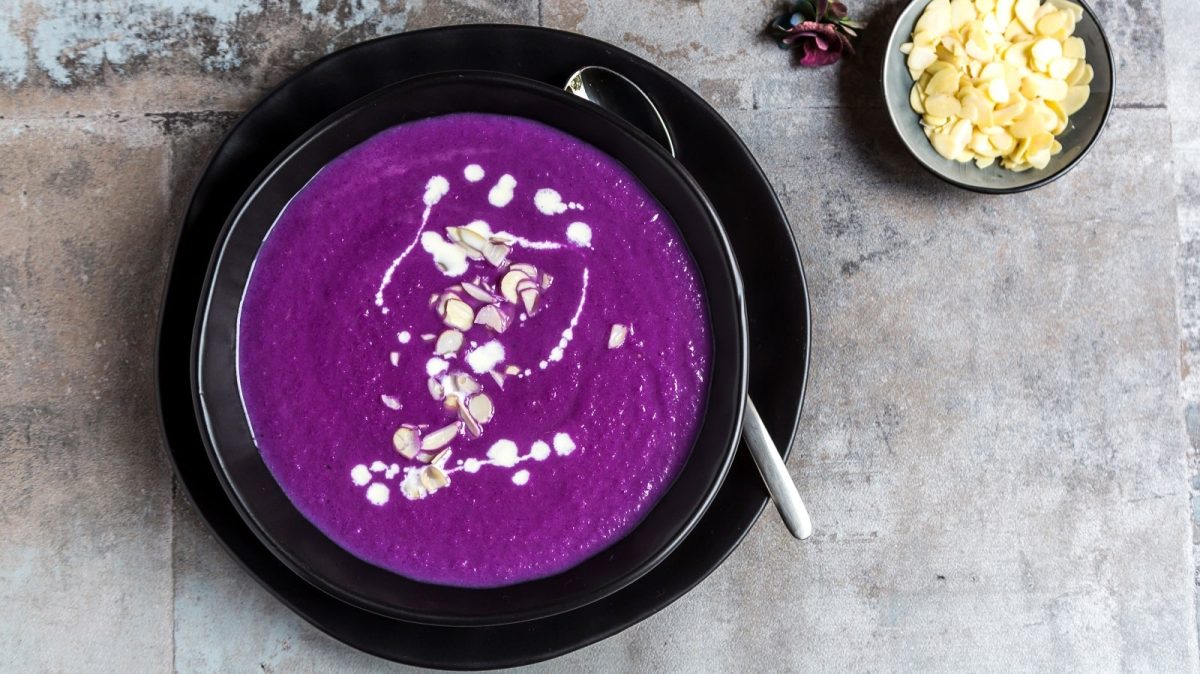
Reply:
x=267 y=508
x=714 y=155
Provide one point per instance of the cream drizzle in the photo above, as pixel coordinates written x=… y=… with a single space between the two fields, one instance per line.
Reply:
x=556 y=354
x=435 y=189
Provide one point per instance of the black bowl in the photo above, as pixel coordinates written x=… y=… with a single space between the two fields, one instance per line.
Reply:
x=300 y=544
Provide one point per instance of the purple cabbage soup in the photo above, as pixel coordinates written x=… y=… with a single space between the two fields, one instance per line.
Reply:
x=474 y=350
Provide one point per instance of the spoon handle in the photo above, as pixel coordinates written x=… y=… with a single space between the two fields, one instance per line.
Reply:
x=775 y=474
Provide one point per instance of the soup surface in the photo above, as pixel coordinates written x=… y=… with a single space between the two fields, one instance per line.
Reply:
x=474 y=350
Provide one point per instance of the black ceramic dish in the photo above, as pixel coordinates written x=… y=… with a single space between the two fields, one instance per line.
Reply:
x=712 y=153
x=269 y=511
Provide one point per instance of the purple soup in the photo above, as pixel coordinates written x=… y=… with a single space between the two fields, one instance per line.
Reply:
x=474 y=350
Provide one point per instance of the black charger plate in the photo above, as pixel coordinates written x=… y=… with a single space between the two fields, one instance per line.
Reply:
x=714 y=155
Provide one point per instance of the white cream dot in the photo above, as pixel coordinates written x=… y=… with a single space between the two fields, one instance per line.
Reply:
x=580 y=234
x=449 y=257
x=378 y=493
x=486 y=357
x=549 y=202
x=435 y=189
x=404 y=336
x=563 y=444
x=473 y=173
x=503 y=453
x=502 y=192
x=360 y=474
x=520 y=478
x=540 y=451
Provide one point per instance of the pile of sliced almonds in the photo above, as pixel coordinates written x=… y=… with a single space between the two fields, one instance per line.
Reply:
x=480 y=244
x=523 y=285
x=460 y=307
x=997 y=79
x=428 y=479
x=458 y=393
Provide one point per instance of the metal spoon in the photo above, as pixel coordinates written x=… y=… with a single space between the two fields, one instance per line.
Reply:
x=618 y=94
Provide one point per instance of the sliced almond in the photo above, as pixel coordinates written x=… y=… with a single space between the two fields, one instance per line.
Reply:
x=481 y=408
x=457 y=314
x=526 y=268
x=547 y=280
x=492 y=317
x=478 y=292
x=428 y=337
x=441 y=458
x=530 y=298
x=443 y=298
x=497 y=377
x=453 y=234
x=470 y=423
x=465 y=383
x=451 y=402
x=390 y=401
x=616 y=336
x=425 y=457
x=435 y=389
x=508 y=284
x=407 y=441
x=512 y=369
x=469 y=240
x=434 y=478
x=440 y=438
x=452 y=293
x=504 y=238
x=450 y=341
x=495 y=253
x=472 y=239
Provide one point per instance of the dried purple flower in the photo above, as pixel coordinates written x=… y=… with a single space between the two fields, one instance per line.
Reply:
x=821 y=44
x=820 y=28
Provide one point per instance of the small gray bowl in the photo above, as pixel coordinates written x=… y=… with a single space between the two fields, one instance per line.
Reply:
x=1082 y=130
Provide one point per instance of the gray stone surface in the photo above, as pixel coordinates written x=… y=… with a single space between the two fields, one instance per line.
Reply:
x=85 y=494
x=1183 y=90
x=994 y=448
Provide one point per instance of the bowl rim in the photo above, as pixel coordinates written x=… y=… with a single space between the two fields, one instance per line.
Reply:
x=736 y=350
x=889 y=53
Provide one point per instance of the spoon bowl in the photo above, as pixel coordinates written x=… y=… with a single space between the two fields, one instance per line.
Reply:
x=619 y=95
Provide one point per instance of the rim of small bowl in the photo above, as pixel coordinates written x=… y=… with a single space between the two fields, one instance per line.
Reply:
x=895 y=39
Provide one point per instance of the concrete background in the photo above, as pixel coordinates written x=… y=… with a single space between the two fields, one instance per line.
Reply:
x=999 y=445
